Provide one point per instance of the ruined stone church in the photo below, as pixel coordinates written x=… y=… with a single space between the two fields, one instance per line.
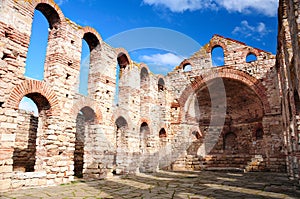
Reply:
x=242 y=115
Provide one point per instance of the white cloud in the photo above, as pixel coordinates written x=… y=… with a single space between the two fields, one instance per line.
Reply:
x=181 y=5
x=169 y=59
x=60 y=2
x=265 y=7
x=247 y=30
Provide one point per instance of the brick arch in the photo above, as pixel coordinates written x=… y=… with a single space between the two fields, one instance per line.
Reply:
x=161 y=83
x=161 y=77
x=166 y=133
x=33 y=86
x=120 y=51
x=216 y=42
x=185 y=62
x=86 y=102
x=143 y=65
x=146 y=120
x=91 y=36
x=124 y=114
x=241 y=76
x=249 y=51
x=50 y=10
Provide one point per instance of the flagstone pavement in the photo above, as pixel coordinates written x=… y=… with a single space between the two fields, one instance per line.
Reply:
x=165 y=184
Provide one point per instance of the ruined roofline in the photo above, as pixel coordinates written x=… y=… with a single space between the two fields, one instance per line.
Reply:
x=238 y=42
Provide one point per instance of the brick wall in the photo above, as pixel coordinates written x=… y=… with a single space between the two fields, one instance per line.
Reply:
x=227 y=116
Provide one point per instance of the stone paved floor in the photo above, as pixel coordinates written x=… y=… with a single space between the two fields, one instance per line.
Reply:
x=164 y=184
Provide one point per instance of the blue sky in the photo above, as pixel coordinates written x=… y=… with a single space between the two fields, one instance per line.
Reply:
x=251 y=21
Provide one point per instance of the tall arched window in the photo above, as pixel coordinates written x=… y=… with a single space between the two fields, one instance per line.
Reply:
x=85 y=118
x=33 y=108
x=217 y=56
x=90 y=51
x=123 y=62
x=37 y=47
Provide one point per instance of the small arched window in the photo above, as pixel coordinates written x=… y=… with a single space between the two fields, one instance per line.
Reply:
x=37 y=47
x=161 y=85
x=230 y=141
x=187 y=67
x=123 y=61
x=144 y=74
x=162 y=133
x=144 y=129
x=259 y=134
x=251 y=58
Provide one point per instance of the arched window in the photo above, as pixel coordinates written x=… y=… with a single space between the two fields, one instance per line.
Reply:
x=251 y=58
x=37 y=47
x=121 y=127
x=187 y=67
x=33 y=109
x=144 y=78
x=89 y=52
x=217 y=56
x=144 y=136
x=230 y=142
x=121 y=123
x=161 y=85
x=45 y=20
x=162 y=133
x=259 y=134
x=123 y=62
x=144 y=129
x=85 y=118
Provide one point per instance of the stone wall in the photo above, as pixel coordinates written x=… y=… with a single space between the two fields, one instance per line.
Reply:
x=207 y=117
x=288 y=71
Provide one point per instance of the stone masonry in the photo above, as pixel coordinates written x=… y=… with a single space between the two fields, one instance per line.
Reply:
x=242 y=115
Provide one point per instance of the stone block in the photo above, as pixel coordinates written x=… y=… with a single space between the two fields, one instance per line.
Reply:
x=42 y=182
x=8 y=137
x=51 y=176
x=8 y=125
x=5 y=184
x=6 y=168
